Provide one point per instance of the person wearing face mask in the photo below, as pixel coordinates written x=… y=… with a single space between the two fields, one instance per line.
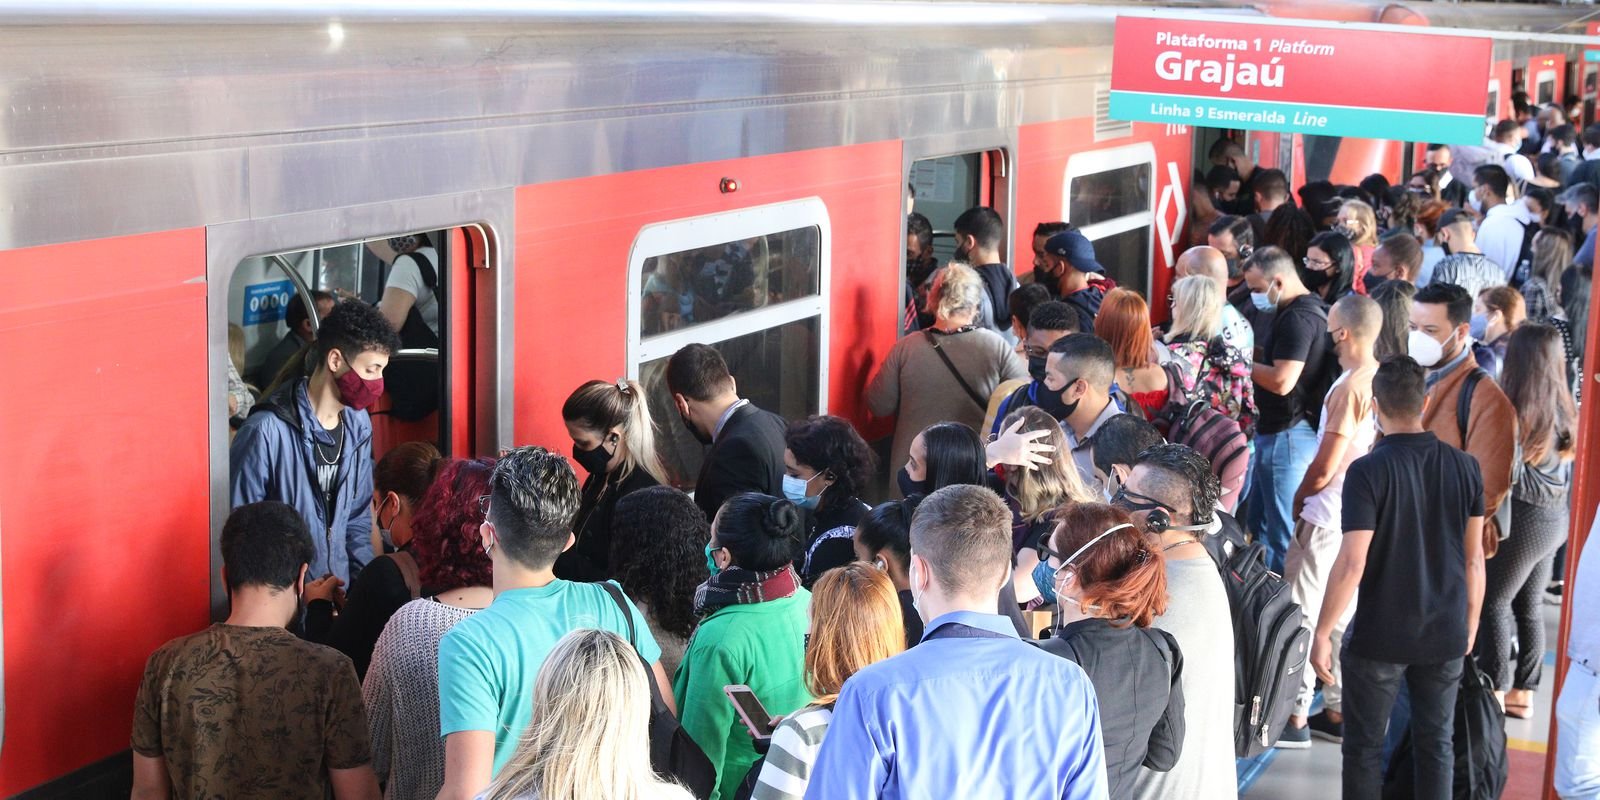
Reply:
x=1329 y=266
x=1236 y=240
x=1224 y=370
x=1081 y=369
x=309 y=444
x=1035 y=497
x=1359 y=224
x=1041 y=269
x=924 y=723
x=390 y=580
x=1501 y=232
x=1496 y=313
x=1112 y=583
x=1441 y=314
x=1070 y=260
x=979 y=232
x=1464 y=265
x=199 y=726
x=825 y=468
x=883 y=539
x=1398 y=258
x=1345 y=433
x=948 y=372
x=1290 y=364
x=1047 y=323
x=1171 y=495
x=1426 y=229
x=746 y=443
x=614 y=441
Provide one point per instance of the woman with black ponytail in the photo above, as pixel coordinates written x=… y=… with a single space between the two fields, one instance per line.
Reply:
x=754 y=618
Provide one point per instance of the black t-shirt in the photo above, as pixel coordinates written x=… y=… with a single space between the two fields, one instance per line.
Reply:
x=1415 y=493
x=328 y=458
x=1299 y=333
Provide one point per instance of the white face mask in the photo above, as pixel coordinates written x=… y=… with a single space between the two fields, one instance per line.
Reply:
x=1424 y=349
x=1477 y=205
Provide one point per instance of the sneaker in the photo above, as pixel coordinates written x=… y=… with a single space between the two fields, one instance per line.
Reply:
x=1323 y=728
x=1294 y=738
x=1552 y=594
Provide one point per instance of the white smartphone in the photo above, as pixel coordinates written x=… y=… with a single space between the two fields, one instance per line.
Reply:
x=750 y=710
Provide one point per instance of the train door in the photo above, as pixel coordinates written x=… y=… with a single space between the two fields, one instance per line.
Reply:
x=1591 y=87
x=276 y=282
x=948 y=175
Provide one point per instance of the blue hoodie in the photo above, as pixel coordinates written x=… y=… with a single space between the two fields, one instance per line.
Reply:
x=273 y=457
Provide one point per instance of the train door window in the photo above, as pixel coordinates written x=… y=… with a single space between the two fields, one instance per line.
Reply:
x=1109 y=195
x=945 y=187
x=1591 y=87
x=1544 y=87
x=271 y=329
x=750 y=283
x=1519 y=80
x=1491 y=112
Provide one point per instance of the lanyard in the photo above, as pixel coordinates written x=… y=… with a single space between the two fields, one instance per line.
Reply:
x=957 y=630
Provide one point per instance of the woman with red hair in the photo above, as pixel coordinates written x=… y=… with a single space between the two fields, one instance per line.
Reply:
x=401 y=690
x=1124 y=322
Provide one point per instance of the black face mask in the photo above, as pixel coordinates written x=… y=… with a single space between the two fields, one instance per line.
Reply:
x=1036 y=368
x=1050 y=402
x=702 y=438
x=1233 y=268
x=594 y=460
x=908 y=486
x=1315 y=278
x=1374 y=281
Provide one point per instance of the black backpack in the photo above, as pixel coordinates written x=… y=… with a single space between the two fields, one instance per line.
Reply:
x=672 y=753
x=1270 y=646
x=413 y=384
x=1524 y=266
x=1479 y=743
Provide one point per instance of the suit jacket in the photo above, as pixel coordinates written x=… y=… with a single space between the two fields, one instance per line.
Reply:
x=746 y=457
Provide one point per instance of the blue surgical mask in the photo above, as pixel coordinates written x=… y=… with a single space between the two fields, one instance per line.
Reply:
x=711 y=563
x=1479 y=327
x=795 y=489
x=1261 y=301
x=1044 y=579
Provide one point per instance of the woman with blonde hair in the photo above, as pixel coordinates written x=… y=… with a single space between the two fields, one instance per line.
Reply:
x=1359 y=223
x=614 y=441
x=1032 y=493
x=589 y=735
x=947 y=372
x=855 y=622
x=1222 y=370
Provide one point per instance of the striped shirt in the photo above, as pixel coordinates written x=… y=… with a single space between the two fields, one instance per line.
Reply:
x=787 y=768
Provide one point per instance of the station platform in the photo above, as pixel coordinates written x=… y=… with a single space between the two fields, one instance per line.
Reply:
x=1314 y=774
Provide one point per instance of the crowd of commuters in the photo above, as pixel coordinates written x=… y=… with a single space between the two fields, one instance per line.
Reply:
x=1399 y=369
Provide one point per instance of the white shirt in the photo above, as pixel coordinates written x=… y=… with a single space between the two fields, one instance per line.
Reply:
x=1236 y=330
x=406 y=276
x=1500 y=237
x=1516 y=164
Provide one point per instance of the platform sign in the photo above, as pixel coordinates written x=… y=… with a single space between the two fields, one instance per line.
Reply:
x=266 y=303
x=1319 y=78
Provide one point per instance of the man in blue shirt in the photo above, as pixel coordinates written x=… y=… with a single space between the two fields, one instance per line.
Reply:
x=971 y=711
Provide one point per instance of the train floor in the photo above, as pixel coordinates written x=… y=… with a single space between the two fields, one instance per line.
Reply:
x=1314 y=774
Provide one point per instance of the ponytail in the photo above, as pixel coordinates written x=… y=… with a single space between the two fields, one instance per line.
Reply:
x=600 y=406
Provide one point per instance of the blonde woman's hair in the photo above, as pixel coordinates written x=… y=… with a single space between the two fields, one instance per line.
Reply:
x=236 y=346
x=1196 y=308
x=957 y=290
x=1368 y=219
x=1039 y=491
x=599 y=406
x=855 y=622
x=589 y=735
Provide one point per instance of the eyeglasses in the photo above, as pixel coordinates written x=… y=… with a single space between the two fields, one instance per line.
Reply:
x=483 y=507
x=1317 y=265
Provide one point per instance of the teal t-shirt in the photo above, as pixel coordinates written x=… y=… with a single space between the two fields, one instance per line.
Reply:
x=488 y=661
x=761 y=645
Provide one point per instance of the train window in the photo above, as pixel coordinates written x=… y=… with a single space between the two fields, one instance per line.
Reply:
x=750 y=283
x=1544 y=87
x=1108 y=195
x=270 y=327
x=1491 y=113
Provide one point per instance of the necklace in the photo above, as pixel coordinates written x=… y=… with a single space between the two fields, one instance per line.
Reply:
x=337 y=454
x=1175 y=545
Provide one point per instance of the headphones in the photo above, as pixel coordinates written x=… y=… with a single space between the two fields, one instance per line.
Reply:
x=1159 y=520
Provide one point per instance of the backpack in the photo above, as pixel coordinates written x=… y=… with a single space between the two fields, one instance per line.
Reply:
x=1270 y=647
x=1482 y=766
x=672 y=753
x=1524 y=267
x=413 y=384
x=1502 y=515
x=1188 y=418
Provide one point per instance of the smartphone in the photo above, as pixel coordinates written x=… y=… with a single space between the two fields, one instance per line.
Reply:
x=750 y=710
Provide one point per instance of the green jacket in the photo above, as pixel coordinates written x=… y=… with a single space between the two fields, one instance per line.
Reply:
x=761 y=645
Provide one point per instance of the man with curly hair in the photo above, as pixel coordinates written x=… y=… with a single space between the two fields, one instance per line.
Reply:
x=309 y=444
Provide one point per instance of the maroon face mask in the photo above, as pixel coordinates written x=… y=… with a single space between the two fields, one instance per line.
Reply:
x=358 y=392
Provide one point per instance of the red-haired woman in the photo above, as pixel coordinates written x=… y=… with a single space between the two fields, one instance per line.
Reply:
x=1124 y=322
x=401 y=690
x=1111 y=583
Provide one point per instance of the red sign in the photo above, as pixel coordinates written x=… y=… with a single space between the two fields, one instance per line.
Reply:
x=1328 y=65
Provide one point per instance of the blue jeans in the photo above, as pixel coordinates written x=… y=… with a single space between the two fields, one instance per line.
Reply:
x=1281 y=462
x=1369 y=693
x=1578 y=735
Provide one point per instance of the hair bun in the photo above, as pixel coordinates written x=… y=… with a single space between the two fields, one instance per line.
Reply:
x=782 y=520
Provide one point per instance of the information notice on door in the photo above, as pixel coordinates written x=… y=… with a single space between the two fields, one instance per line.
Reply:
x=1317 y=78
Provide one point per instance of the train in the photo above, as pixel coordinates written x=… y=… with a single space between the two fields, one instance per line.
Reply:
x=171 y=177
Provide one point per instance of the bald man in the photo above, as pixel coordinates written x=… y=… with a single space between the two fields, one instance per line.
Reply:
x=1346 y=433
x=1211 y=263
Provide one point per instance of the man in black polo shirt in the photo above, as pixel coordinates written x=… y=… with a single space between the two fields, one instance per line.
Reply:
x=1291 y=376
x=1413 y=543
